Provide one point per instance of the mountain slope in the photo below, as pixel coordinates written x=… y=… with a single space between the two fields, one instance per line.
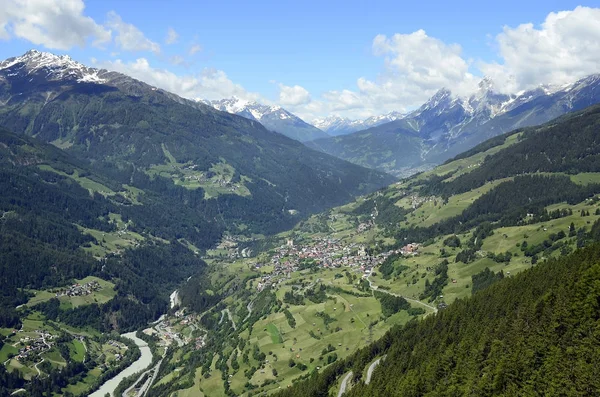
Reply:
x=243 y=177
x=448 y=125
x=274 y=118
x=57 y=212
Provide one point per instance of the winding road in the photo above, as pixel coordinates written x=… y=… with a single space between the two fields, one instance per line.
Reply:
x=36 y=367
x=143 y=390
x=372 y=368
x=249 y=307
x=344 y=384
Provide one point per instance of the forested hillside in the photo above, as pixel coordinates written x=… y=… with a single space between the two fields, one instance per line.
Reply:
x=45 y=211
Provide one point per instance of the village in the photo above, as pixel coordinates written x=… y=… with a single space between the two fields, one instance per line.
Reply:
x=35 y=346
x=326 y=252
x=170 y=330
x=80 y=289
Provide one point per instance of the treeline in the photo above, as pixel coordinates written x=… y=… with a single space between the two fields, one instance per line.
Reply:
x=484 y=279
x=484 y=146
x=529 y=334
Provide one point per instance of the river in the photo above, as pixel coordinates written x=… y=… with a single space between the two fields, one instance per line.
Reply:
x=141 y=364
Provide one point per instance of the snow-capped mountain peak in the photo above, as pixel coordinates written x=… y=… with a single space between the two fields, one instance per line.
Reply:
x=273 y=117
x=55 y=67
x=249 y=109
x=230 y=105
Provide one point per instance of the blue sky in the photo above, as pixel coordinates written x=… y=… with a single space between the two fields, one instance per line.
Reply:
x=315 y=58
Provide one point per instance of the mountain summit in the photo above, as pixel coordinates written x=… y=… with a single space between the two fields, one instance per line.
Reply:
x=274 y=118
x=54 y=67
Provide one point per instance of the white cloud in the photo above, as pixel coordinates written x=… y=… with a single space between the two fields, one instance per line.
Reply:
x=128 y=37
x=293 y=95
x=343 y=100
x=415 y=67
x=565 y=47
x=172 y=36
x=417 y=60
x=194 y=49
x=209 y=84
x=55 y=24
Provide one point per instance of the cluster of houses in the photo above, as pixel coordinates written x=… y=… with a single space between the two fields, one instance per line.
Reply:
x=328 y=253
x=363 y=227
x=35 y=346
x=80 y=289
x=117 y=344
x=416 y=201
x=118 y=347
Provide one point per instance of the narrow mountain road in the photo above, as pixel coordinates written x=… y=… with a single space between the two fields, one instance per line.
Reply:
x=86 y=350
x=344 y=384
x=134 y=385
x=374 y=288
x=417 y=302
x=372 y=368
x=145 y=389
x=17 y=392
x=249 y=307
x=36 y=367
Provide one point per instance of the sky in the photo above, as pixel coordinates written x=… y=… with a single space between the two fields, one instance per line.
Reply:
x=316 y=58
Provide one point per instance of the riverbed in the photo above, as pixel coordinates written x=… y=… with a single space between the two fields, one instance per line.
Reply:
x=141 y=364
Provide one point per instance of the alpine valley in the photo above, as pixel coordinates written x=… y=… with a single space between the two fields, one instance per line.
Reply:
x=223 y=258
x=112 y=191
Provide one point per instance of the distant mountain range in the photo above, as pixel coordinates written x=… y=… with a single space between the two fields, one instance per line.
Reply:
x=336 y=125
x=274 y=118
x=448 y=124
